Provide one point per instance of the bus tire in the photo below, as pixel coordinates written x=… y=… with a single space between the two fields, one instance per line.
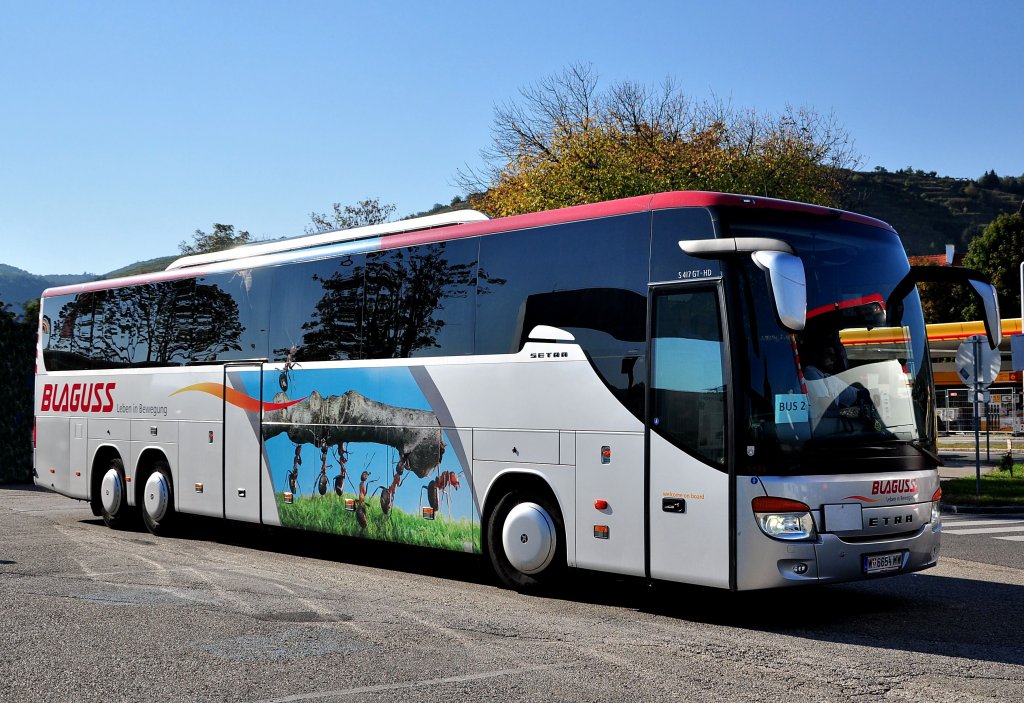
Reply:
x=113 y=498
x=526 y=540
x=158 y=500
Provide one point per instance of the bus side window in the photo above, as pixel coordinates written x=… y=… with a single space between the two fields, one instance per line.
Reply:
x=589 y=278
x=316 y=306
x=68 y=347
x=688 y=380
x=419 y=301
x=230 y=316
x=143 y=325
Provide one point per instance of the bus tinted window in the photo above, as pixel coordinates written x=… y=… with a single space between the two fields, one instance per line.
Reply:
x=67 y=332
x=589 y=278
x=145 y=325
x=688 y=380
x=229 y=317
x=419 y=301
x=668 y=262
x=316 y=306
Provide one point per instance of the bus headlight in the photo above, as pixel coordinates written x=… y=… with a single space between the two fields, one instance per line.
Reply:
x=937 y=509
x=782 y=518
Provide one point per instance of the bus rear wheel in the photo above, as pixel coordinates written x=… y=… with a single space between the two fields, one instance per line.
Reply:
x=113 y=496
x=158 y=500
x=525 y=541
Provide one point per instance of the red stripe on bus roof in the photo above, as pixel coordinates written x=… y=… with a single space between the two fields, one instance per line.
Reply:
x=610 y=208
x=625 y=206
x=698 y=198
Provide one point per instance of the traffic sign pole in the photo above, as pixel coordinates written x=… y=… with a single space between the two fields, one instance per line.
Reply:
x=978 y=366
x=976 y=347
x=988 y=429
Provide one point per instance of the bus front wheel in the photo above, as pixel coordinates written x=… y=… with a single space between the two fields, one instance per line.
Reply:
x=525 y=540
x=113 y=496
x=158 y=500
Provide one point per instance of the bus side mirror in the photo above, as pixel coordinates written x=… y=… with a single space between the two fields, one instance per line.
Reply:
x=977 y=283
x=986 y=292
x=775 y=257
x=788 y=285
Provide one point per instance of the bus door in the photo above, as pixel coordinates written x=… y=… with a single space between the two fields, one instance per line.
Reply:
x=242 y=441
x=688 y=481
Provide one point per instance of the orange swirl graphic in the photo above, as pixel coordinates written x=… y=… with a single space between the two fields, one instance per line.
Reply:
x=863 y=498
x=236 y=398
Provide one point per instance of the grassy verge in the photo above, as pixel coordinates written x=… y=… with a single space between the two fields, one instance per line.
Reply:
x=327 y=514
x=997 y=488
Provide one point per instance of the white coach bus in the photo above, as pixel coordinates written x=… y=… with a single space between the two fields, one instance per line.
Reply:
x=672 y=386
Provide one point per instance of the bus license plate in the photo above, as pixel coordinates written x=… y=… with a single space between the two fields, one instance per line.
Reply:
x=881 y=563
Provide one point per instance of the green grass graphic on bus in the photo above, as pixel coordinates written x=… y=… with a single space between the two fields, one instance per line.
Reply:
x=328 y=514
x=363 y=454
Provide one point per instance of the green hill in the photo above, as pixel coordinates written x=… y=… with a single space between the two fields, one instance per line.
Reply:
x=147 y=266
x=18 y=287
x=930 y=211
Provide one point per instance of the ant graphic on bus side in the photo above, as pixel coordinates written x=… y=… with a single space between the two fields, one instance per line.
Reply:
x=293 y=475
x=364 y=484
x=439 y=488
x=321 y=482
x=286 y=373
x=387 y=493
x=341 y=454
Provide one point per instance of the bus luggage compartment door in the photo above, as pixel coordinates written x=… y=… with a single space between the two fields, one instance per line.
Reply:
x=77 y=468
x=242 y=443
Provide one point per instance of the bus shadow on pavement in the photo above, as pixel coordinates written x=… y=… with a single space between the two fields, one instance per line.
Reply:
x=914 y=613
x=322 y=546
x=921 y=612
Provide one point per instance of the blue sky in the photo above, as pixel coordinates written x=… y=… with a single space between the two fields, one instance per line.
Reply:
x=126 y=126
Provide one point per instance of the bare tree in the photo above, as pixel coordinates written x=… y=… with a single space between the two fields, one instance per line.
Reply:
x=566 y=142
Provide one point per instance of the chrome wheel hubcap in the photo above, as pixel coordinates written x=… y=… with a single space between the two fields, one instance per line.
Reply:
x=111 y=492
x=156 y=494
x=529 y=538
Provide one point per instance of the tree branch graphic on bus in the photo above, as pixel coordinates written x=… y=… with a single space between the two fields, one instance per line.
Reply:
x=367 y=451
x=352 y=417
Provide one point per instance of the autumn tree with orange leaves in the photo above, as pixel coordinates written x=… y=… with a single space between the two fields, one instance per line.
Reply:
x=567 y=143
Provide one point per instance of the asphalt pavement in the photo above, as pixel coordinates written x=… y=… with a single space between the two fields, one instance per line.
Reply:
x=232 y=613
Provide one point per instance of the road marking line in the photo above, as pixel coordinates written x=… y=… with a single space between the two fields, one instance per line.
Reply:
x=974 y=523
x=983 y=530
x=1012 y=538
x=408 y=684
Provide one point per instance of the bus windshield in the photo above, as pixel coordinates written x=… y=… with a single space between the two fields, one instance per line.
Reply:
x=848 y=388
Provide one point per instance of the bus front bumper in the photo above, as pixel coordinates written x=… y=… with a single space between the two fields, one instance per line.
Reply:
x=832 y=559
